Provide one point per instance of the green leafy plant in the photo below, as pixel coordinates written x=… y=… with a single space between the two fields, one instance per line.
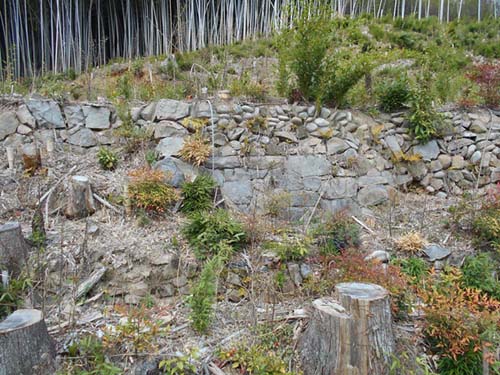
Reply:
x=415 y=268
x=290 y=248
x=148 y=191
x=204 y=292
x=337 y=233
x=11 y=297
x=197 y=195
x=151 y=157
x=88 y=357
x=107 y=159
x=478 y=272
x=394 y=95
x=423 y=118
x=204 y=231
x=179 y=364
x=302 y=50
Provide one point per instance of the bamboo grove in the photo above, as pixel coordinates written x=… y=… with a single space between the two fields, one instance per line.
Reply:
x=38 y=36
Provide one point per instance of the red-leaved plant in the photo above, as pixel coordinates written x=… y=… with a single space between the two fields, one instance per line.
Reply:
x=487 y=77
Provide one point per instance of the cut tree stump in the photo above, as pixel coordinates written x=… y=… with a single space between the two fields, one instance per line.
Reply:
x=80 y=202
x=349 y=336
x=25 y=345
x=13 y=248
x=31 y=158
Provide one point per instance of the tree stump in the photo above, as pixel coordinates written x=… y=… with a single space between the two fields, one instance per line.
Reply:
x=25 y=345
x=80 y=202
x=31 y=158
x=349 y=336
x=13 y=248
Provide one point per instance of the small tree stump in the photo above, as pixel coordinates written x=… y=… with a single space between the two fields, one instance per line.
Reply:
x=13 y=248
x=80 y=201
x=31 y=158
x=349 y=336
x=25 y=345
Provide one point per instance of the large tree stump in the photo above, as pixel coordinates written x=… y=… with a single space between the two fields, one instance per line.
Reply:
x=13 y=248
x=25 y=345
x=351 y=335
x=80 y=202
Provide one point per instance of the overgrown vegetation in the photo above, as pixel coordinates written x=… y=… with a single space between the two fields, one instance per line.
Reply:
x=198 y=194
x=108 y=160
x=148 y=191
x=206 y=231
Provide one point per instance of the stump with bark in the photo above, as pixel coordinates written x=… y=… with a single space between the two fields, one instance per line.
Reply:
x=13 y=248
x=351 y=335
x=25 y=345
x=80 y=202
x=31 y=158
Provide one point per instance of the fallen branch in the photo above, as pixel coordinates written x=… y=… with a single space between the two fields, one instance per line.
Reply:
x=214 y=369
x=89 y=283
x=362 y=224
x=105 y=203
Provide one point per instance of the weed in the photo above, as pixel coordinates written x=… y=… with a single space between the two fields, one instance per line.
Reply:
x=205 y=231
x=195 y=150
x=336 y=234
x=415 y=268
x=197 y=195
x=180 y=364
x=411 y=243
x=134 y=137
x=151 y=157
x=394 y=95
x=88 y=357
x=147 y=190
x=290 y=249
x=108 y=160
x=478 y=272
x=11 y=296
x=204 y=292
x=422 y=117
x=277 y=203
x=487 y=77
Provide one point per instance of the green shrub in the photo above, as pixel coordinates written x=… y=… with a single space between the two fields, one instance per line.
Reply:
x=423 y=118
x=478 y=272
x=88 y=357
x=336 y=234
x=204 y=231
x=414 y=267
x=12 y=296
x=302 y=50
x=204 y=292
x=486 y=223
x=470 y=363
x=290 y=249
x=107 y=159
x=197 y=195
x=394 y=95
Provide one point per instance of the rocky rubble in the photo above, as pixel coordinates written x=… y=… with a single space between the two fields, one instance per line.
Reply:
x=325 y=157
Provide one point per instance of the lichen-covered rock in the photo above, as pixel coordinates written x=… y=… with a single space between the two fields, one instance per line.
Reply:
x=83 y=138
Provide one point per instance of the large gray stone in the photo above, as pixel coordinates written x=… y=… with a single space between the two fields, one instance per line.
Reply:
x=83 y=138
x=97 y=117
x=25 y=117
x=428 y=151
x=166 y=129
x=337 y=188
x=170 y=146
x=238 y=192
x=176 y=170
x=74 y=115
x=308 y=165
x=336 y=146
x=8 y=124
x=168 y=109
x=224 y=162
x=436 y=252
x=47 y=113
x=393 y=144
x=373 y=195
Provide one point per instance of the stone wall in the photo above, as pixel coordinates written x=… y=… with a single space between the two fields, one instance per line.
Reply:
x=334 y=158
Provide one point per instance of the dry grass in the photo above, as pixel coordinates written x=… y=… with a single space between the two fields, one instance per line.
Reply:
x=411 y=242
